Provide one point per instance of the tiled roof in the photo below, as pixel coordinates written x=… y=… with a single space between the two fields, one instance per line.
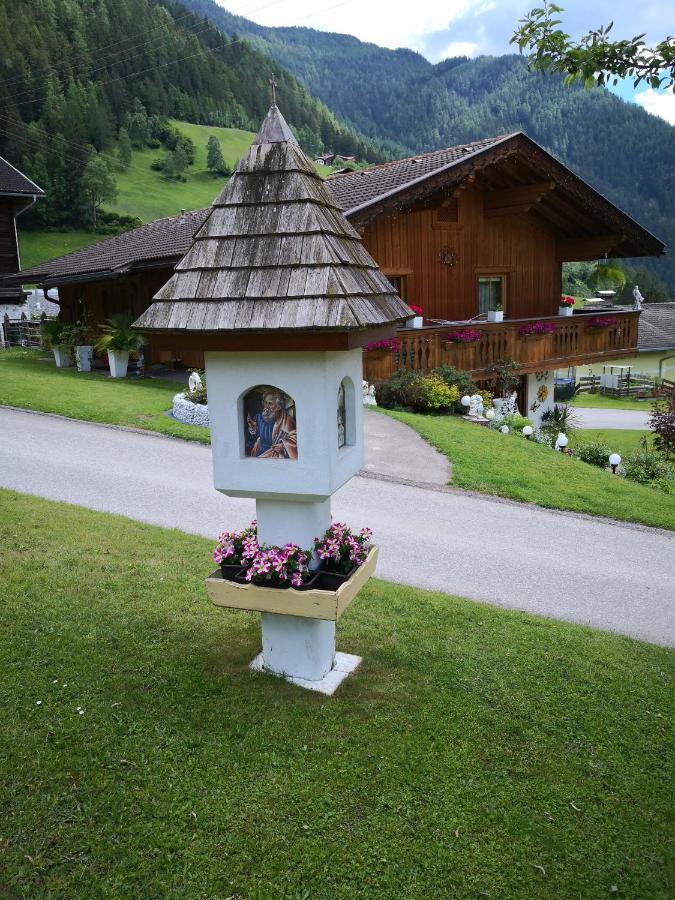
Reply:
x=169 y=237
x=657 y=327
x=14 y=182
x=354 y=189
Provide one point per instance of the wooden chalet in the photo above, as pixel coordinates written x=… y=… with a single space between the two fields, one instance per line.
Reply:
x=456 y=231
x=17 y=194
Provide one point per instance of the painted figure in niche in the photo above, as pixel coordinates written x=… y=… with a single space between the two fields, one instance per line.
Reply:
x=341 y=416
x=269 y=423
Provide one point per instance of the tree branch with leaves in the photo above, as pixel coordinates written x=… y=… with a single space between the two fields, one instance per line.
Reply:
x=595 y=58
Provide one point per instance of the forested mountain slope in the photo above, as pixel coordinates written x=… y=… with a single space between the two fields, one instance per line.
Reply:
x=73 y=72
x=398 y=97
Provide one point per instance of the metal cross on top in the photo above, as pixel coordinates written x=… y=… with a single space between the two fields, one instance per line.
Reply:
x=274 y=84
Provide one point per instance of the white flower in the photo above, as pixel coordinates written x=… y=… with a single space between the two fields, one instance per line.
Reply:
x=38 y=702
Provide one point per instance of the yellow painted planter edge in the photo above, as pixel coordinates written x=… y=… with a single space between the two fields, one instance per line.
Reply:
x=289 y=602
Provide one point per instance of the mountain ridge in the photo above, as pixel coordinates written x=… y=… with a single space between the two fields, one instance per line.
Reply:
x=411 y=105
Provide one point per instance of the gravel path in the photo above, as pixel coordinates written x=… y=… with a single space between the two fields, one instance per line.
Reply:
x=609 y=575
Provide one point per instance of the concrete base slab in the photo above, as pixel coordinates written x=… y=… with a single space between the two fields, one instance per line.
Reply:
x=345 y=664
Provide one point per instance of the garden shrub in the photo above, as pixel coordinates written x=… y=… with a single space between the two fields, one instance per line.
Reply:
x=515 y=421
x=646 y=467
x=438 y=395
x=411 y=390
x=593 y=453
x=456 y=378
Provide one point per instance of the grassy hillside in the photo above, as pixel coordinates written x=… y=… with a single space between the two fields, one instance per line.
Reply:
x=145 y=194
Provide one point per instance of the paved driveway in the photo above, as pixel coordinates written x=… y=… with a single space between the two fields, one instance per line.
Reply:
x=633 y=419
x=612 y=576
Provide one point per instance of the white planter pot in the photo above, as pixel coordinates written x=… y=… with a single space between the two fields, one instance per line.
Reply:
x=118 y=363
x=83 y=356
x=495 y=315
x=418 y=322
x=565 y=310
x=62 y=357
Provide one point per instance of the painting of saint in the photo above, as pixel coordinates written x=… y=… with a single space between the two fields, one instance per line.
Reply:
x=269 y=424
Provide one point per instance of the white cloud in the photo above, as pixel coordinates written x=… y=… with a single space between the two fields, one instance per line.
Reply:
x=460 y=48
x=658 y=104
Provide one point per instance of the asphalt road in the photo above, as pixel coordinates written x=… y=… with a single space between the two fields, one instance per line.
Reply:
x=632 y=419
x=611 y=576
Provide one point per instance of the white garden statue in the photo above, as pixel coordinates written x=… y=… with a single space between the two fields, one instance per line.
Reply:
x=369 y=394
x=194 y=381
x=476 y=406
x=637 y=296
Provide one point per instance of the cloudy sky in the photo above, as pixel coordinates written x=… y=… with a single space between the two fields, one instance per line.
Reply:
x=442 y=28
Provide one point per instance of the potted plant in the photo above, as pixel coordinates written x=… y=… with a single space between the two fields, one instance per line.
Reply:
x=236 y=550
x=496 y=314
x=566 y=306
x=418 y=320
x=280 y=567
x=55 y=337
x=117 y=339
x=83 y=346
x=341 y=552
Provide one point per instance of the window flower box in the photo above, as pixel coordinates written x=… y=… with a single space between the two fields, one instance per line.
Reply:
x=535 y=330
x=311 y=603
x=600 y=323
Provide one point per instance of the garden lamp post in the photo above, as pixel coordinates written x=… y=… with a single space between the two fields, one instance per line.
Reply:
x=280 y=294
x=614 y=460
x=561 y=442
x=527 y=431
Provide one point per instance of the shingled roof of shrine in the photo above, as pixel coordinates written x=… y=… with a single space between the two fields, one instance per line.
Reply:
x=276 y=252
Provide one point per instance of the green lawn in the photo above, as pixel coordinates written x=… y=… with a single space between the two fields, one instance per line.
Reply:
x=601 y=401
x=620 y=440
x=510 y=466
x=38 y=246
x=146 y=194
x=476 y=752
x=30 y=379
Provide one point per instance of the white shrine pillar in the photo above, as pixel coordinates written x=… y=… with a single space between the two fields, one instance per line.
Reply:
x=292 y=485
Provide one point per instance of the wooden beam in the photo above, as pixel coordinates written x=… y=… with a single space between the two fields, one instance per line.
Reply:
x=516 y=210
x=576 y=249
x=523 y=195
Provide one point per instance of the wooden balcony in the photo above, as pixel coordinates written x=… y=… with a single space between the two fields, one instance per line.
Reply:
x=572 y=343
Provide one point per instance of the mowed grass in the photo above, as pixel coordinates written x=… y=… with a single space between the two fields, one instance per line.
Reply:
x=38 y=246
x=601 y=401
x=476 y=751
x=619 y=440
x=144 y=193
x=510 y=466
x=30 y=379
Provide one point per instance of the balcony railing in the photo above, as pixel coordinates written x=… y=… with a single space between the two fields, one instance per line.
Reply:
x=573 y=342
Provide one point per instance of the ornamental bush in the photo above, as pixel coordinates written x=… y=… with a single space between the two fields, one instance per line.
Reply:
x=594 y=453
x=645 y=467
x=438 y=395
x=456 y=378
x=413 y=391
x=662 y=423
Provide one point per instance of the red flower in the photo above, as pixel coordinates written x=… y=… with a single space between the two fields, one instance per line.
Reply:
x=416 y=309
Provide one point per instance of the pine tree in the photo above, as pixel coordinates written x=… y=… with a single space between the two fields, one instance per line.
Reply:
x=215 y=162
x=124 y=148
x=98 y=186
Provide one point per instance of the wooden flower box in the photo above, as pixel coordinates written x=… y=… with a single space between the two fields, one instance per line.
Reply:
x=310 y=604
